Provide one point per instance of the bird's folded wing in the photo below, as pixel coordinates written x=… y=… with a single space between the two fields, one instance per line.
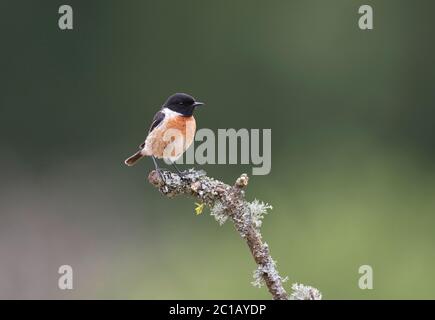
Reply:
x=158 y=118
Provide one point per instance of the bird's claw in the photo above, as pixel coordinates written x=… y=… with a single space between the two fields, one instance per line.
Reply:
x=159 y=171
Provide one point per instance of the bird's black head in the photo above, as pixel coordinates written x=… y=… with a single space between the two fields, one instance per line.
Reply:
x=182 y=103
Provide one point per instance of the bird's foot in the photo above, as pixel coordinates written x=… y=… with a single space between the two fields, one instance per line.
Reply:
x=162 y=177
x=182 y=175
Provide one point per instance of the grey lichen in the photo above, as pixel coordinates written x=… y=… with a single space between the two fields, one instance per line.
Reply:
x=268 y=269
x=258 y=277
x=255 y=212
x=218 y=212
x=303 y=292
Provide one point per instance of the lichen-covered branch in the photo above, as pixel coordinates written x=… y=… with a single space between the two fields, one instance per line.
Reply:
x=226 y=202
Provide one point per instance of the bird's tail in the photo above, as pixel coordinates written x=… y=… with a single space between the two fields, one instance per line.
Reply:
x=132 y=160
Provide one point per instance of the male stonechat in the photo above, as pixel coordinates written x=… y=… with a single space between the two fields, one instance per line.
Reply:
x=172 y=131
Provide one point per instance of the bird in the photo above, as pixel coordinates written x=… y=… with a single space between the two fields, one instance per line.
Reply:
x=172 y=131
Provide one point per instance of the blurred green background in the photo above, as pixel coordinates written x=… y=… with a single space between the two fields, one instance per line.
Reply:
x=352 y=117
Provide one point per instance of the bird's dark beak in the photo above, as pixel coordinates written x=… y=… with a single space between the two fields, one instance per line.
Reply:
x=197 y=104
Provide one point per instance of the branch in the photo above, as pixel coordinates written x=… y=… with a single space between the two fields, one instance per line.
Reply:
x=229 y=202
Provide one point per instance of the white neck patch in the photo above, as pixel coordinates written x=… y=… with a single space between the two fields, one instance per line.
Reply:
x=171 y=113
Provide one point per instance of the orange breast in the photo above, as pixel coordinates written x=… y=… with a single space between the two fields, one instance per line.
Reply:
x=172 y=138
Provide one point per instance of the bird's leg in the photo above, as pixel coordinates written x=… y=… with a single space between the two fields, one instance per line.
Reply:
x=158 y=169
x=178 y=170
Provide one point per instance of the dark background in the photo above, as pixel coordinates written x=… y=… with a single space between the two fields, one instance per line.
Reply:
x=352 y=119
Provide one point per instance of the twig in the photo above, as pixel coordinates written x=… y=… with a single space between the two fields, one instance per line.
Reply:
x=229 y=202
